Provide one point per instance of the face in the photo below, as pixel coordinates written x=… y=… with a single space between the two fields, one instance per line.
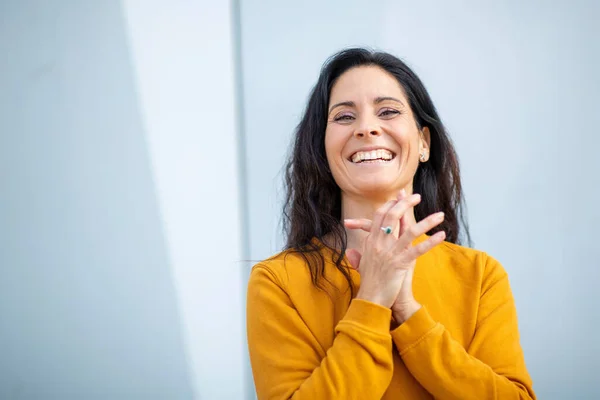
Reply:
x=372 y=141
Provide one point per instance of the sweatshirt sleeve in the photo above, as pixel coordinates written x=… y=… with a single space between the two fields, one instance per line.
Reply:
x=492 y=366
x=289 y=363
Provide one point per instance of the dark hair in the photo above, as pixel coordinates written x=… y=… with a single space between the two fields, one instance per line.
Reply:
x=313 y=200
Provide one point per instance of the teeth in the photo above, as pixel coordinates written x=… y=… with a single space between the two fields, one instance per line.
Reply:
x=379 y=154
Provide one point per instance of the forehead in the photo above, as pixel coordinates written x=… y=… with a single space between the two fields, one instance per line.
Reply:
x=365 y=82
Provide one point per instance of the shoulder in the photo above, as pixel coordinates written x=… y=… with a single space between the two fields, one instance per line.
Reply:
x=295 y=272
x=468 y=263
x=283 y=267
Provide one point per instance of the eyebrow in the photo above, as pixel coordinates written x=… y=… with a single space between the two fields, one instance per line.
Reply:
x=377 y=101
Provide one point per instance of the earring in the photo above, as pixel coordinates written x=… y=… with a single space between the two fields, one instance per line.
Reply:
x=422 y=157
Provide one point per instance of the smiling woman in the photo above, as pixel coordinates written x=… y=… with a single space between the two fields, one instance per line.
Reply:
x=374 y=297
x=363 y=131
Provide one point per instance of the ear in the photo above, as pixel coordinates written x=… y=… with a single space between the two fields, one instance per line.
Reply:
x=424 y=142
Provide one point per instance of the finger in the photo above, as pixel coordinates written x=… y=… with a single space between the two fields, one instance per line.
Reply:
x=353 y=257
x=397 y=211
x=420 y=228
x=404 y=219
x=418 y=250
x=359 y=223
x=380 y=215
x=401 y=194
x=404 y=224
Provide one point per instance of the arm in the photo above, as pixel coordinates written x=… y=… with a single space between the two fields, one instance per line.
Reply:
x=288 y=362
x=492 y=367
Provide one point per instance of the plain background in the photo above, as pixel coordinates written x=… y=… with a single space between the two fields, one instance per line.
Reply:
x=141 y=150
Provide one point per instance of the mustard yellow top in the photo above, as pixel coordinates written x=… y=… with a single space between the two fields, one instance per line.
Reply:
x=462 y=344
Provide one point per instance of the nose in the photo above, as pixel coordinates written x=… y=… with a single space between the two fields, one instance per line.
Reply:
x=367 y=127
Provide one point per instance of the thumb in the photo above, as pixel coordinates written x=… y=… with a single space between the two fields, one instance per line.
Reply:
x=354 y=257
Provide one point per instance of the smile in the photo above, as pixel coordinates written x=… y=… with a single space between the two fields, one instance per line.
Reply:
x=372 y=156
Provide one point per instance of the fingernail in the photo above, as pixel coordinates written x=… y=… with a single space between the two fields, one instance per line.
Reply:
x=439 y=216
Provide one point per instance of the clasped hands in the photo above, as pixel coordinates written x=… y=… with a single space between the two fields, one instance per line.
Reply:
x=387 y=261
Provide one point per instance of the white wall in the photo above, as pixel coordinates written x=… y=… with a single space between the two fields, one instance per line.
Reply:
x=183 y=61
x=120 y=238
x=516 y=84
x=88 y=306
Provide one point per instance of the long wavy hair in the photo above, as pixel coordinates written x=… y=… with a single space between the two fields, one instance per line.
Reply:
x=312 y=207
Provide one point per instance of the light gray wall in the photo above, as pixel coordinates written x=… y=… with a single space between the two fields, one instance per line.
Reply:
x=120 y=271
x=86 y=296
x=516 y=84
x=183 y=61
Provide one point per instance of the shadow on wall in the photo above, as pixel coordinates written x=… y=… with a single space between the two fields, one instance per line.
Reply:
x=87 y=303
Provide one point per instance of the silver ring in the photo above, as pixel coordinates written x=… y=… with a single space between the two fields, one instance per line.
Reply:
x=387 y=229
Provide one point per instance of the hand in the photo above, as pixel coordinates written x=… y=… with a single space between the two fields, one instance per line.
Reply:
x=406 y=305
x=397 y=250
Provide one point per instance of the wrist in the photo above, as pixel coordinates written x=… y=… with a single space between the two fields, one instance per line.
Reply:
x=375 y=298
x=403 y=313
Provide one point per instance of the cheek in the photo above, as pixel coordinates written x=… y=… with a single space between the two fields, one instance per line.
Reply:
x=405 y=144
x=408 y=139
x=334 y=143
x=335 y=140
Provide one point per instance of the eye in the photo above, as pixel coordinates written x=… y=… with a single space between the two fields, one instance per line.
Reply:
x=343 y=118
x=388 y=112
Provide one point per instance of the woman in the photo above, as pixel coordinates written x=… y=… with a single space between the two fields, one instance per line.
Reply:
x=373 y=297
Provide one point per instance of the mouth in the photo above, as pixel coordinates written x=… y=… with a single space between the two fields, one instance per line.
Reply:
x=372 y=156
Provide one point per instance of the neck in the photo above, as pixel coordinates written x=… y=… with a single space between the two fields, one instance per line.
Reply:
x=362 y=207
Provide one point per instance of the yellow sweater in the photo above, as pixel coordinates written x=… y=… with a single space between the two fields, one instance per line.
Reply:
x=462 y=344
